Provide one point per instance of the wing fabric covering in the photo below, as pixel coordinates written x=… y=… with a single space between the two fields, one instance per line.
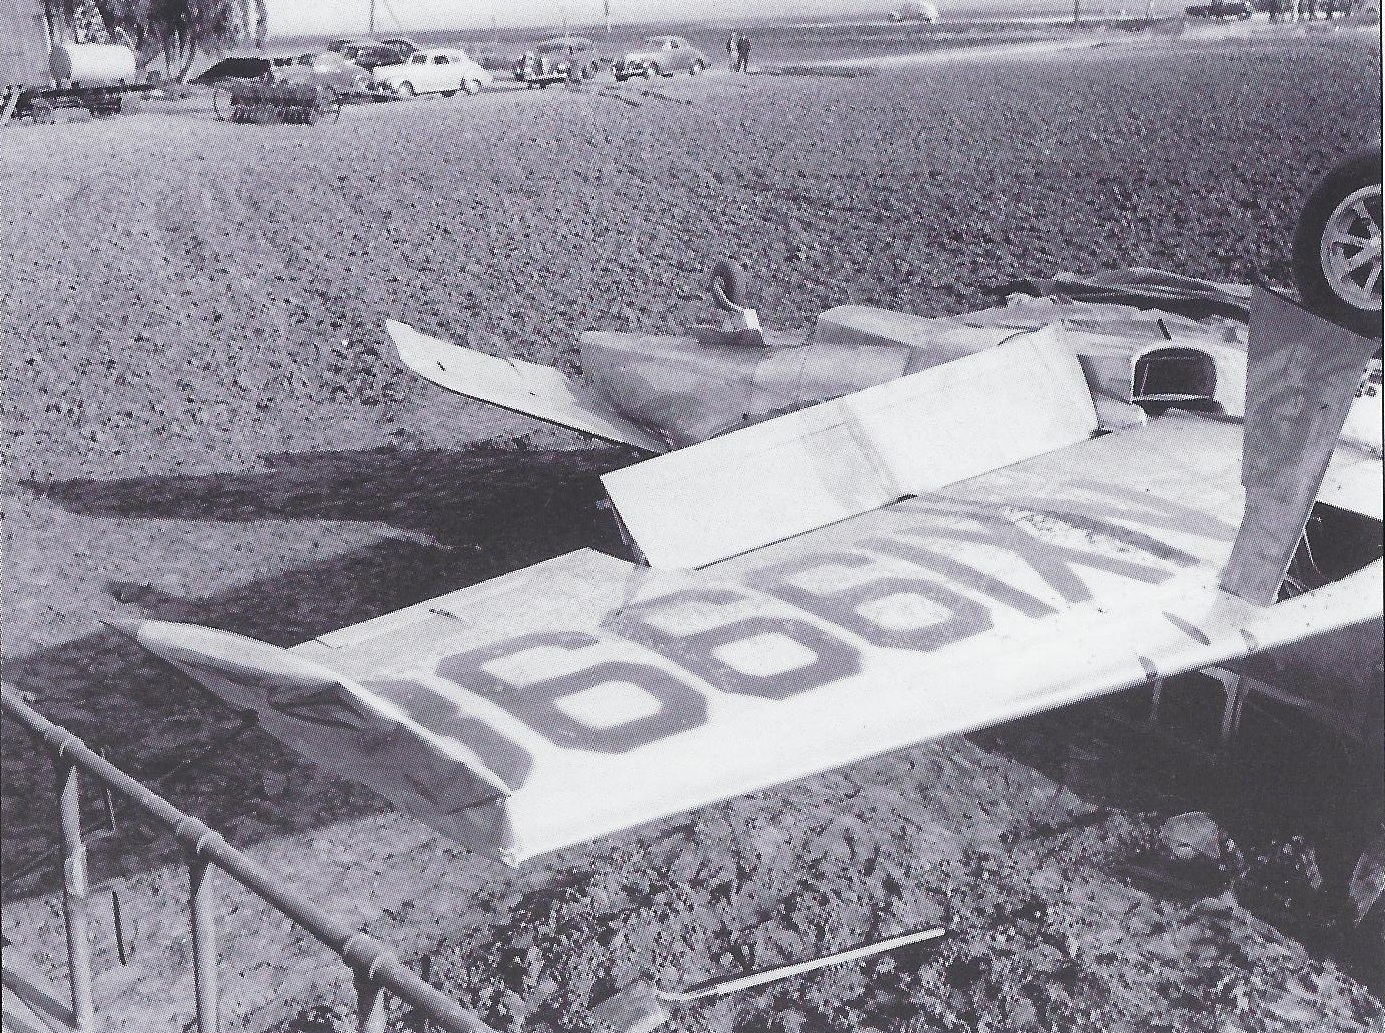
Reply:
x=348 y=728
x=613 y=694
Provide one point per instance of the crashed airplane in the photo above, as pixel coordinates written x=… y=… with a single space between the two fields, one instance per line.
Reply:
x=899 y=529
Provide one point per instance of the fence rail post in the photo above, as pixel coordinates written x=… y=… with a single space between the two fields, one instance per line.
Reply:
x=74 y=854
x=204 y=943
x=376 y=970
x=370 y=1003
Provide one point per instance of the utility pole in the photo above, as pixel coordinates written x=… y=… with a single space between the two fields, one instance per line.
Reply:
x=606 y=5
x=372 y=17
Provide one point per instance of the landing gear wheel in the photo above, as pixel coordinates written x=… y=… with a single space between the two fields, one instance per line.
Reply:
x=728 y=286
x=1337 y=245
x=471 y=87
x=405 y=90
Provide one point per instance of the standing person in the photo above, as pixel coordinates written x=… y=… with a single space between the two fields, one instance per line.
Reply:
x=733 y=49
x=743 y=53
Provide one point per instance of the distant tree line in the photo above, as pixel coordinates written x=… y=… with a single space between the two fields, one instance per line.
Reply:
x=176 y=30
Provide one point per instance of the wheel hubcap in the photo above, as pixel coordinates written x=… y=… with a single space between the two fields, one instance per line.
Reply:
x=1351 y=246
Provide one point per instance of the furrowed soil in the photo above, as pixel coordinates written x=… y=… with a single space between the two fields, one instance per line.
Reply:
x=205 y=421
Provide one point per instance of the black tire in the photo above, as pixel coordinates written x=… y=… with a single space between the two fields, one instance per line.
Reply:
x=449 y=93
x=1345 y=207
x=728 y=285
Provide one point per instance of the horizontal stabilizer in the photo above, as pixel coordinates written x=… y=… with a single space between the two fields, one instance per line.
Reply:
x=856 y=453
x=523 y=387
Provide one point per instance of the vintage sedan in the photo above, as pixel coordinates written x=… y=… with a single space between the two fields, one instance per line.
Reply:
x=372 y=53
x=559 y=59
x=444 y=70
x=1221 y=10
x=661 y=55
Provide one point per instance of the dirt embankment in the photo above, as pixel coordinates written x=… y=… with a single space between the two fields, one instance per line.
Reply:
x=203 y=420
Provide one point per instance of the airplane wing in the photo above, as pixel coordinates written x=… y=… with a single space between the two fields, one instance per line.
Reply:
x=523 y=387
x=589 y=694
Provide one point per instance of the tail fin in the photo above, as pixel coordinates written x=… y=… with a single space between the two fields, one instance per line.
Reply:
x=1301 y=375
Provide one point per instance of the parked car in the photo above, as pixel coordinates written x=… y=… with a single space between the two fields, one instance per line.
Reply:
x=661 y=55
x=401 y=45
x=1223 y=9
x=915 y=12
x=555 y=60
x=442 y=70
x=373 y=53
x=331 y=70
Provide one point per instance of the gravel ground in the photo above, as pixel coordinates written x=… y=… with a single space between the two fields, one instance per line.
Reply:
x=203 y=421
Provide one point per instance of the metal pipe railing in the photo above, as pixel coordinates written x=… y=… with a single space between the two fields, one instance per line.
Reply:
x=375 y=969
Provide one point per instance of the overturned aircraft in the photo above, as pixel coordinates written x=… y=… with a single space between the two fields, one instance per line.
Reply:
x=900 y=529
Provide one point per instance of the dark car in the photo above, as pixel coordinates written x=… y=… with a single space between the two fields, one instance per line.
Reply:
x=1222 y=9
x=374 y=53
x=661 y=55
x=559 y=59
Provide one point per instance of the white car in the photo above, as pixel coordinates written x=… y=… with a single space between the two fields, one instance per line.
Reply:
x=442 y=70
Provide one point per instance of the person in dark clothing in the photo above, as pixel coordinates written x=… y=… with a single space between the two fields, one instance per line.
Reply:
x=732 y=53
x=742 y=53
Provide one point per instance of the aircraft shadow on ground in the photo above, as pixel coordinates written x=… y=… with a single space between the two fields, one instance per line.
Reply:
x=468 y=516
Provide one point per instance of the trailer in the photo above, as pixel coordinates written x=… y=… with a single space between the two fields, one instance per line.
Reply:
x=38 y=75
